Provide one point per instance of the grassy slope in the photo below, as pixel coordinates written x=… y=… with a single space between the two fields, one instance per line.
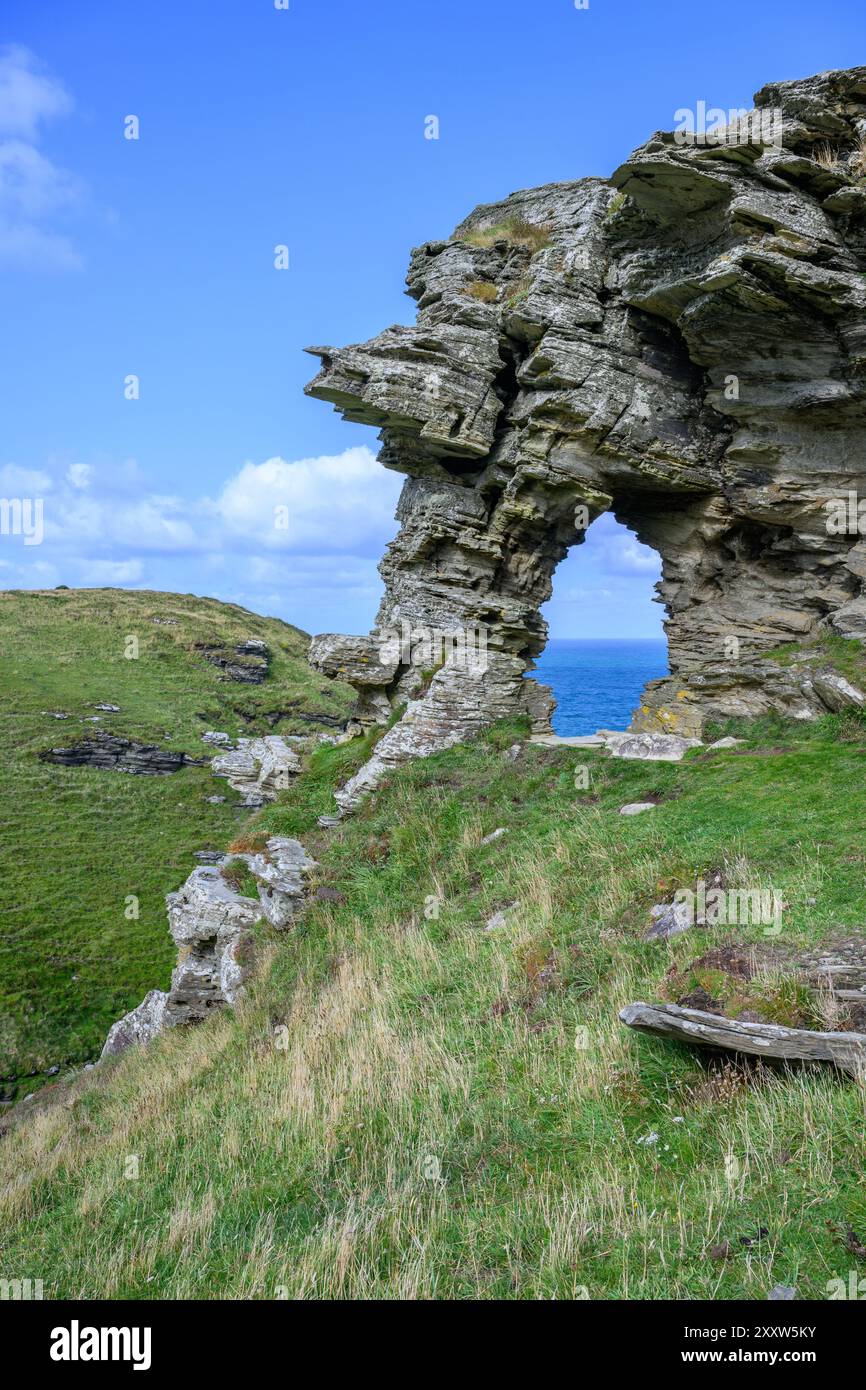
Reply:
x=77 y=841
x=399 y=1107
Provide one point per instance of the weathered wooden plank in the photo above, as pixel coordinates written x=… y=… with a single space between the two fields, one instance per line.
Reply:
x=847 y=1051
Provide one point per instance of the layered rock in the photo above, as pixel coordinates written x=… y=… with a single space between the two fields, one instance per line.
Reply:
x=683 y=345
x=137 y=1027
x=212 y=924
x=258 y=768
x=247 y=662
x=105 y=750
x=281 y=870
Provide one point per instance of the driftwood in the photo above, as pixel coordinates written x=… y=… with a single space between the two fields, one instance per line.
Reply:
x=847 y=1051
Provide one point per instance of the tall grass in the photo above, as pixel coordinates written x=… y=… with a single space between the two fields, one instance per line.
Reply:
x=410 y=1105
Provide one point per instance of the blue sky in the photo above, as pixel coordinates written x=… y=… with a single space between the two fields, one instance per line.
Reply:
x=302 y=127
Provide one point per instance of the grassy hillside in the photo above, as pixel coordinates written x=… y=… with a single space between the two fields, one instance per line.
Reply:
x=410 y=1105
x=77 y=842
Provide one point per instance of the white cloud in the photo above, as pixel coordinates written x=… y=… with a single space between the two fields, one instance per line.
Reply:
x=108 y=528
x=328 y=503
x=615 y=551
x=78 y=475
x=635 y=558
x=27 y=96
x=106 y=525
x=23 y=482
x=32 y=187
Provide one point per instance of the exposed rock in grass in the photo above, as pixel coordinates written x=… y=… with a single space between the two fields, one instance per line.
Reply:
x=121 y=755
x=258 y=768
x=500 y=918
x=653 y=748
x=247 y=662
x=138 y=1026
x=495 y=835
x=669 y=919
x=210 y=923
x=281 y=869
x=836 y=692
x=635 y=808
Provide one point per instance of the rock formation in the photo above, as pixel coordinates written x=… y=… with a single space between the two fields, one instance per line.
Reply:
x=683 y=345
x=121 y=755
x=248 y=662
x=281 y=871
x=769 y=1041
x=138 y=1026
x=212 y=924
x=258 y=768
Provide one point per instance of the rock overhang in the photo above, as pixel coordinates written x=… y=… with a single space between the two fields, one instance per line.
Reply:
x=682 y=345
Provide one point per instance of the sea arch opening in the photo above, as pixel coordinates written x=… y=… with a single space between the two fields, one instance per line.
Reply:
x=606 y=636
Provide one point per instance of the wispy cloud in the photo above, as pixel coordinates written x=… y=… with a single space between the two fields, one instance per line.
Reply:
x=300 y=538
x=34 y=191
x=27 y=96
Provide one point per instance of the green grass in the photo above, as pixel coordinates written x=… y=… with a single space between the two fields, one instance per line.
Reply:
x=408 y=1105
x=481 y=289
x=79 y=844
x=844 y=654
x=520 y=292
x=514 y=230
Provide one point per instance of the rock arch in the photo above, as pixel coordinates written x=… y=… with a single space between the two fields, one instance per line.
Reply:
x=684 y=344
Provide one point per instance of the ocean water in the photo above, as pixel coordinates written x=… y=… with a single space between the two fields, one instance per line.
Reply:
x=597 y=681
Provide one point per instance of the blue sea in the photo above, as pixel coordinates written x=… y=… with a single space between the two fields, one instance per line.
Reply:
x=597 y=681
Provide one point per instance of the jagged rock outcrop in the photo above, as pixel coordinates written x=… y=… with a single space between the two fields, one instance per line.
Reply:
x=247 y=662
x=211 y=924
x=281 y=869
x=138 y=1026
x=683 y=345
x=258 y=768
x=120 y=754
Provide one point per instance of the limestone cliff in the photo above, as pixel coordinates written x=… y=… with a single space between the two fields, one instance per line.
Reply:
x=683 y=345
